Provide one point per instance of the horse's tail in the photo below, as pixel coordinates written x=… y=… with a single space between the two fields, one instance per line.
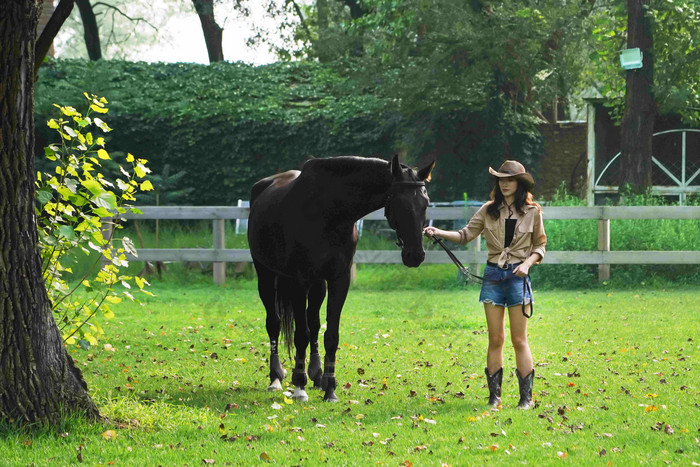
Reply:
x=284 y=289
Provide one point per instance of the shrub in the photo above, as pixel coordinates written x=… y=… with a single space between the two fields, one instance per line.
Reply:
x=72 y=198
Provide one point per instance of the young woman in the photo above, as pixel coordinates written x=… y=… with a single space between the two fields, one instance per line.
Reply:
x=512 y=226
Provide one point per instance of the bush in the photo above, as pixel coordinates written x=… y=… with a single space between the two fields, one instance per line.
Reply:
x=72 y=198
x=229 y=124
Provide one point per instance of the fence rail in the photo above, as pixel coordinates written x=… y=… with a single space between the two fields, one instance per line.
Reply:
x=603 y=257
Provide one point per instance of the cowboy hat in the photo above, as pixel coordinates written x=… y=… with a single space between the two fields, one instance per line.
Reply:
x=513 y=169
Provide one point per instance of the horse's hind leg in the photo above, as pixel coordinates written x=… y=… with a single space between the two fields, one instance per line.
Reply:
x=317 y=293
x=266 y=289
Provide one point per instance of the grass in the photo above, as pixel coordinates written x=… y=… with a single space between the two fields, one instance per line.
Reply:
x=183 y=376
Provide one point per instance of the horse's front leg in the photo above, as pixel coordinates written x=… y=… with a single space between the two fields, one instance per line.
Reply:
x=316 y=295
x=337 y=293
x=301 y=342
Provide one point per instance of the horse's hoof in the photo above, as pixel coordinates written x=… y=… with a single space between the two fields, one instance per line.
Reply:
x=300 y=395
x=330 y=398
x=276 y=385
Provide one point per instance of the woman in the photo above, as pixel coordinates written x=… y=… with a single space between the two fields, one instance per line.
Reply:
x=512 y=225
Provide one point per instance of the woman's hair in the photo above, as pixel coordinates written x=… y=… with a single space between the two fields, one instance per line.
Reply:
x=522 y=197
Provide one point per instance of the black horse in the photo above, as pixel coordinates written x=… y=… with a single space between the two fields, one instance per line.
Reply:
x=302 y=237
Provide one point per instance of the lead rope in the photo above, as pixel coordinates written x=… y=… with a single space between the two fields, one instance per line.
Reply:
x=470 y=275
x=527 y=286
x=465 y=271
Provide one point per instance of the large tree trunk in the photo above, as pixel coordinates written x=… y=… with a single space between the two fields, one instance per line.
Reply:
x=38 y=379
x=640 y=106
x=90 y=30
x=212 y=32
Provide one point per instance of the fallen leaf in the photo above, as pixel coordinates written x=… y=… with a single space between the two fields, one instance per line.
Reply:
x=208 y=461
x=493 y=447
x=109 y=435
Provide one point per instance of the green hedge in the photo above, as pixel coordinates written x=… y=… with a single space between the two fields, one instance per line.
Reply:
x=229 y=124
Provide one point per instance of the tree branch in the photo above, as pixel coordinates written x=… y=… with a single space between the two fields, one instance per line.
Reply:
x=301 y=17
x=43 y=44
x=133 y=20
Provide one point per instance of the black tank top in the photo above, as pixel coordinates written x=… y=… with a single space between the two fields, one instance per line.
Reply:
x=510 y=232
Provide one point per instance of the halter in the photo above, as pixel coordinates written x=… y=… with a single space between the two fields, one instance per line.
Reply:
x=390 y=195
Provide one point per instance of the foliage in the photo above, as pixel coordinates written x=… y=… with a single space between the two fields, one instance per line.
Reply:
x=72 y=198
x=462 y=54
x=229 y=124
x=676 y=54
x=165 y=188
x=189 y=370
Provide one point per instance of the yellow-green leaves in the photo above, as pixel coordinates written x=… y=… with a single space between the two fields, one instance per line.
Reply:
x=146 y=186
x=74 y=201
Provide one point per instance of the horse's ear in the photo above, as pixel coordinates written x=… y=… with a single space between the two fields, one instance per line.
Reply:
x=395 y=166
x=425 y=172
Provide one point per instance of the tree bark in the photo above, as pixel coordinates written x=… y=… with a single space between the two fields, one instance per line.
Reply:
x=637 y=125
x=90 y=30
x=38 y=379
x=43 y=44
x=212 y=32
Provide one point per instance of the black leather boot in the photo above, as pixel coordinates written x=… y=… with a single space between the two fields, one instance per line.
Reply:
x=525 y=384
x=494 y=382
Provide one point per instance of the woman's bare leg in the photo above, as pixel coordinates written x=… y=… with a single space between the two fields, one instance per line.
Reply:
x=518 y=336
x=495 y=321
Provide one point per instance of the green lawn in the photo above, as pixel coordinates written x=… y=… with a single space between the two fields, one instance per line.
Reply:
x=183 y=379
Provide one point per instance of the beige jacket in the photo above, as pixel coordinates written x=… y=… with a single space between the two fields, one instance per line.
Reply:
x=529 y=236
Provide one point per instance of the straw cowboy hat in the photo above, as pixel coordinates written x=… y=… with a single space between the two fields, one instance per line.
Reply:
x=514 y=169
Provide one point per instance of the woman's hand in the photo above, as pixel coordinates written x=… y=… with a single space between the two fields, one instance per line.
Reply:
x=522 y=270
x=430 y=231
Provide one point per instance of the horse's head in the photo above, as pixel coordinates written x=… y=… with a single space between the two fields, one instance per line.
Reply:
x=406 y=204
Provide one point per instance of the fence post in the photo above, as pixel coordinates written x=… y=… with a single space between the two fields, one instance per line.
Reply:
x=219 y=228
x=603 y=245
x=474 y=247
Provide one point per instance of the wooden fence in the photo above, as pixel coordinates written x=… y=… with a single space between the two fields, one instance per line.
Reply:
x=603 y=257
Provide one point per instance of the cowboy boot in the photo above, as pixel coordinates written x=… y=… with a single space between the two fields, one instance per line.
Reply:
x=494 y=382
x=525 y=384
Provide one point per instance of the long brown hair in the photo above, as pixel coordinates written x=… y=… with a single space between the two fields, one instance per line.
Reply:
x=522 y=197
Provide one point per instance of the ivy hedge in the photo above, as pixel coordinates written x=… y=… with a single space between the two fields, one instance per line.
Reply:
x=229 y=124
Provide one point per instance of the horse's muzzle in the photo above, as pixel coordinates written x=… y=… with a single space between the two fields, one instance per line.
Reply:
x=412 y=258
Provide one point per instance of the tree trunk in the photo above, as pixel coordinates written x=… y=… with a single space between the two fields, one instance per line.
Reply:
x=90 y=30
x=640 y=106
x=38 y=379
x=43 y=44
x=212 y=32
x=324 y=45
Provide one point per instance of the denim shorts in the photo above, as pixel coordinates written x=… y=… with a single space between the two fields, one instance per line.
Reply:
x=502 y=287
